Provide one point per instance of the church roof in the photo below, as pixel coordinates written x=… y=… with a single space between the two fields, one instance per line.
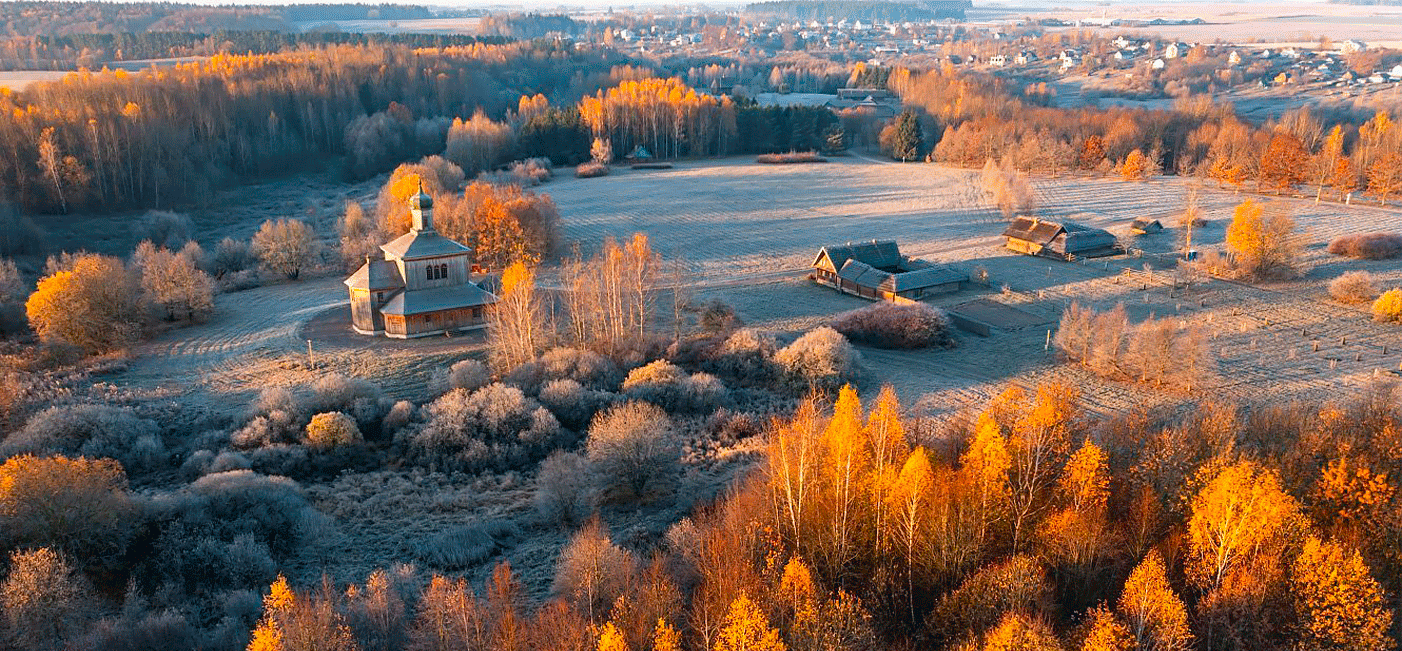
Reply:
x=422 y=244
x=421 y=301
x=376 y=274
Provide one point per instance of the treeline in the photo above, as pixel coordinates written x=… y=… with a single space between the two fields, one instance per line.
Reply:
x=162 y=137
x=96 y=49
x=54 y=18
x=866 y=11
x=518 y=25
x=979 y=118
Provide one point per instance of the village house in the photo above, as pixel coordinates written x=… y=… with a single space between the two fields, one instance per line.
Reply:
x=423 y=285
x=877 y=270
x=1034 y=236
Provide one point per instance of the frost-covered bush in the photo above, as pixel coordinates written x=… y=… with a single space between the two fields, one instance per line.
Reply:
x=228 y=460
x=1353 y=287
x=466 y=545
x=1368 y=246
x=592 y=571
x=226 y=530
x=668 y=386
x=564 y=492
x=717 y=317
x=633 y=448
x=281 y=459
x=744 y=357
x=272 y=399
x=231 y=256
x=591 y=170
x=398 y=417
x=467 y=374
x=142 y=631
x=332 y=430
x=590 y=369
x=496 y=427
x=357 y=397
x=91 y=431
x=573 y=404
x=78 y=506
x=277 y=427
x=887 y=325
x=822 y=359
x=165 y=229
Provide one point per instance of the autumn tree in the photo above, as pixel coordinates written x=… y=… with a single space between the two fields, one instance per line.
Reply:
x=1283 y=164
x=1331 y=167
x=612 y=297
x=1092 y=153
x=1338 y=606
x=43 y=601
x=1241 y=517
x=78 y=506
x=1105 y=632
x=1263 y=239
x=747 y=629
x=479 y=144
x=1134 y=166
x=93 y=305
x=174 y=283
x=1385 y=176
x=293 y=622
x=1018 y=632
x=518 y=326
x=1158 y=621
x=285 y=246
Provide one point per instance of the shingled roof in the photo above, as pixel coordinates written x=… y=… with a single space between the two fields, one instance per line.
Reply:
x=1033 y=230
x=882 y=254
x=865 y=275
x=376 y=275
x=440 y=298
x=422 y=244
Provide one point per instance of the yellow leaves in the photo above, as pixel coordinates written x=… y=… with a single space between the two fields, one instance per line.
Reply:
x=1157 y=618
x=665 y=637
x=796 y=583
x=1018 y=632
x=266 y=637
x=611 y=639
x=280 y=597
x=1134 y=166
x=747 y=629
x=1262 y=240
x=1338 y=605
x=987 y=458
x=884 y=431
x=1085 y=481
x=517 y=278
x=278 y=603
x=1240 y=515
x=1105 y=632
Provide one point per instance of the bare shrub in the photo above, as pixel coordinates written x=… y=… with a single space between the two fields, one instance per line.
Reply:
x=1353 y=287
x=1158 y=351
x=590 y=369
x=358 y=397
x=564 y=492
x=822 y=359
x=285 y=246
x=1368 y=246
x=165 y=229
x=887 y=325
x=467 y=374
x=668 y=386
x=398 y=417
x=466 y=545
x=479 y=144
x=496 y=426
x=591 y=170
x=790 y=158
x=592 y=571
x=633 y=449
x=745 y=356
x=718 y=318
x=1388 y=307
x=93 y=431
x=524 y=173
x=1007 y=188
x=230 y=256
x=138 y=630
x=332 y=430
x=44 y=600
x=173 y=283
x=573 y=404
x=78 y=506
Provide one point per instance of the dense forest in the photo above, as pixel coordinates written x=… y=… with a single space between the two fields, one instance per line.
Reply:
x=58 y=18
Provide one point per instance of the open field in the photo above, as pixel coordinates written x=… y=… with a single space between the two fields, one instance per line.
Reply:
x=749 y=231
x=18 y=80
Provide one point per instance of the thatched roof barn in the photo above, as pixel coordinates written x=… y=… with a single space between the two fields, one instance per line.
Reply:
x=1034 y=236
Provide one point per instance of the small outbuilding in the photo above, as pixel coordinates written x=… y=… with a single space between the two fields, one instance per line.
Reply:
x=1145 y=226
x=1034 y=236
x=878 y=271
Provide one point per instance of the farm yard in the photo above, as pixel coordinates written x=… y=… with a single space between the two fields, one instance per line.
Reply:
x=748 y=232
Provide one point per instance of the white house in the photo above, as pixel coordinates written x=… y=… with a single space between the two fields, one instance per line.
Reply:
x=1234 y=58
x=1156 y=64
x=1350 y=47
x=998 y=60
x=1174 y=50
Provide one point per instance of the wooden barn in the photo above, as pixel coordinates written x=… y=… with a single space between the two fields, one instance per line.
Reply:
x=1034 y=236
x=1146 y=226
x=422 y=287
x=878 y=271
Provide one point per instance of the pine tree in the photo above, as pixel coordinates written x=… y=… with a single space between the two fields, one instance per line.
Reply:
x=905 y=140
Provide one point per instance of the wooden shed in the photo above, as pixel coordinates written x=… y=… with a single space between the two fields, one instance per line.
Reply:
x=1034 y=236
x=878 y=271
x=1146 y=226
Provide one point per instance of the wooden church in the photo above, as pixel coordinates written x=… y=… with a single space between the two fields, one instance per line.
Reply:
x=423 y=285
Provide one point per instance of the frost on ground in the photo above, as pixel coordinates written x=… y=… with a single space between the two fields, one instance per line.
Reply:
x=748 y=233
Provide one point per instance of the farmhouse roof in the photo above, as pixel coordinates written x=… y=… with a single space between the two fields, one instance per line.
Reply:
x=374 y=275
x=921 y=278
x=422 y=244
x=876 y=253
x=1033 y=230
x=422 y=301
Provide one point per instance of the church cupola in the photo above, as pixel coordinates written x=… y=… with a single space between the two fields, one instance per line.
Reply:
x=421 y=208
